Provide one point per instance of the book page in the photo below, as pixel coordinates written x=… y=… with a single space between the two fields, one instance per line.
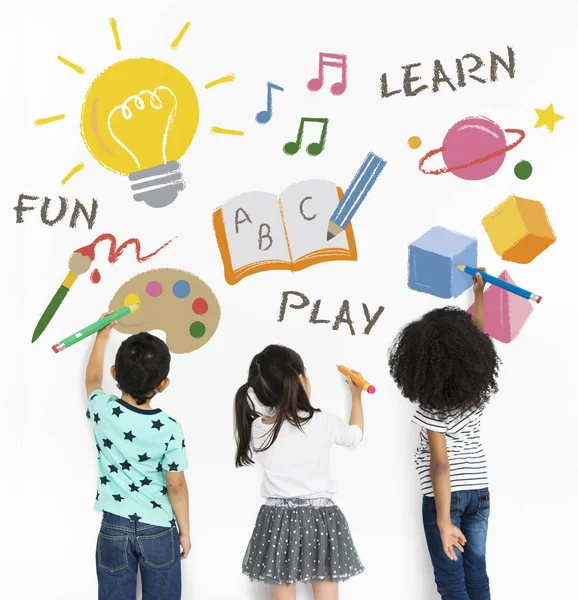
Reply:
x=254 y=229
x=307 y=208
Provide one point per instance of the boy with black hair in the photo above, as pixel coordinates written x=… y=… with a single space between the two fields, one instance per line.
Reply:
x=142 y=490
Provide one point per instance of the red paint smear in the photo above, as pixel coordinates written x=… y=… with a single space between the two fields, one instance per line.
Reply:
x=95 y=276
x=114 y=252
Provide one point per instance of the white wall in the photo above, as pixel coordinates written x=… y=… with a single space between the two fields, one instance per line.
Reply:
x=48 y=462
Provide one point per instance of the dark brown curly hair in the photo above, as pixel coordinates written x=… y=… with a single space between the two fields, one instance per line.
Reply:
x=445 y=363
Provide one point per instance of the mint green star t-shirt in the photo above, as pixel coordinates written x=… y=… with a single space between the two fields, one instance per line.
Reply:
x=135 y=448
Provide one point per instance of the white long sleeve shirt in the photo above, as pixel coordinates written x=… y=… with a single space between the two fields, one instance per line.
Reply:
x=297 y=465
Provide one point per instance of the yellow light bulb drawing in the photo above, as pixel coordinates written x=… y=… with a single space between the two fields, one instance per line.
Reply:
x=138 y=119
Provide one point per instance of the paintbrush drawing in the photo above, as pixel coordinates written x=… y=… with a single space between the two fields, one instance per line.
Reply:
x=78 y=264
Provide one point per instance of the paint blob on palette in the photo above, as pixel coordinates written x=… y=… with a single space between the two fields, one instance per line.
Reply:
x=171 y=300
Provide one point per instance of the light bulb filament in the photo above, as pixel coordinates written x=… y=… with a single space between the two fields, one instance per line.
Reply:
x=156 y=103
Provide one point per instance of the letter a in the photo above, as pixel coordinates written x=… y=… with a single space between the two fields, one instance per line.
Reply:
x=237 y=222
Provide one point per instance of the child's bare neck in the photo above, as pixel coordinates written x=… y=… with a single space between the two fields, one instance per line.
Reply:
x=130 y=400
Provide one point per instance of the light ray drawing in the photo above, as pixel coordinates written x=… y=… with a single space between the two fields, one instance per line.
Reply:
x=138 y=119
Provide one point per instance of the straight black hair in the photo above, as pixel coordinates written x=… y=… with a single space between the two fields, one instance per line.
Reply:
x=142 y=364
x=274 y=377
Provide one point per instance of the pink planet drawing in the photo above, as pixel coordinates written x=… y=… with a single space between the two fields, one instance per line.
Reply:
x=474 y=148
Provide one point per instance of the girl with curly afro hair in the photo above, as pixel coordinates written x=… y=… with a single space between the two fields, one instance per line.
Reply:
x=446 y=364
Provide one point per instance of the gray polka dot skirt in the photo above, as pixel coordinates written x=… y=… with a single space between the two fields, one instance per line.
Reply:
x=300 y=540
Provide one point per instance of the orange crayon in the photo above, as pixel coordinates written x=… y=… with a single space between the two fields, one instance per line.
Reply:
x=362 y=383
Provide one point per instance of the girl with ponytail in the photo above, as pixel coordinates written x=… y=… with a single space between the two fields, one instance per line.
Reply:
x=299 y=534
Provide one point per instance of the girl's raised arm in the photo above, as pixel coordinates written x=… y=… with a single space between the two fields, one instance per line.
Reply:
x=356 y=417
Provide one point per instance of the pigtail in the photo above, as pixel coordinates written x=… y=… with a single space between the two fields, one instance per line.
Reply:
x=275 y=376
x=245 y=414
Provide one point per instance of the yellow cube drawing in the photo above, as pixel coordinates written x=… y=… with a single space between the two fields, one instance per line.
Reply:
x=519 y=229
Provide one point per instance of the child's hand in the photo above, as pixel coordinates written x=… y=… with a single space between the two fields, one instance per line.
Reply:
x=185 y=542
x=452 y=536
x=355 y=389
x=104 y=334
x=479 y=283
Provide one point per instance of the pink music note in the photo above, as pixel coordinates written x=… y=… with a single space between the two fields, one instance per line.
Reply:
x=330 y=60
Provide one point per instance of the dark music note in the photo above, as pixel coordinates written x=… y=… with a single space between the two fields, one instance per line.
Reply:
x=313 y=149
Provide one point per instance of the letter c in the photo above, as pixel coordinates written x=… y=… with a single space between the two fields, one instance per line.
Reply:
x=301 y=209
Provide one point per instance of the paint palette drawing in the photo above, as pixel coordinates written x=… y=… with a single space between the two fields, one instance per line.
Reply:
x=174 y=301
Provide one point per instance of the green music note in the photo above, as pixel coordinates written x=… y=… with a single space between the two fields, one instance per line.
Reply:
x=313 y=149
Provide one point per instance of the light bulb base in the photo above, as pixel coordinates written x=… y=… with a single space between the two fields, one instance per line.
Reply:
x=158 y=186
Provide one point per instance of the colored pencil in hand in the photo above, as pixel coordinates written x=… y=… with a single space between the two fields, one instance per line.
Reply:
x=509 y=287
x=359 y=381
x=94 y=327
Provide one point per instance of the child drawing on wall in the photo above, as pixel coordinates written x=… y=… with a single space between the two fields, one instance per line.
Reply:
x=299 y=534
x=141 y=490
x=447 y=365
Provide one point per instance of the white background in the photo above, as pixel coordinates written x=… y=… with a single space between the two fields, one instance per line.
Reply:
x=48 y=469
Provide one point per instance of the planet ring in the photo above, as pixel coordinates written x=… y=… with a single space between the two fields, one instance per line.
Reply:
x=477 y=161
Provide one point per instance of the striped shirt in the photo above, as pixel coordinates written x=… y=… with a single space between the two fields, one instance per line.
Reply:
x=465 y=451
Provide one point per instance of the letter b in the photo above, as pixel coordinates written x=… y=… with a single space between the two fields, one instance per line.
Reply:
x=265 y=234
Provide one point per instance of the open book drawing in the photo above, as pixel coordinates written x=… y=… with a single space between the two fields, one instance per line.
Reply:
x=259 y=231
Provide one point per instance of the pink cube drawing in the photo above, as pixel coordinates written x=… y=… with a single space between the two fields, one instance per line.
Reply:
x=505 y=313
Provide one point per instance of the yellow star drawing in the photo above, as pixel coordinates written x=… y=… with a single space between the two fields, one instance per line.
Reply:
x=547 y=117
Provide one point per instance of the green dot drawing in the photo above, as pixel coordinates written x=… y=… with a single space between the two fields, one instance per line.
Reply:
x=197 y=330
x=523 y=169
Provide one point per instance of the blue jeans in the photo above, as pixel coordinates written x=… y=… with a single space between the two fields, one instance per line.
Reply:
x=466 y=578
x=123 y=546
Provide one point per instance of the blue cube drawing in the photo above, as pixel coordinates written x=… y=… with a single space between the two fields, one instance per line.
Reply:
x=433 y=259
